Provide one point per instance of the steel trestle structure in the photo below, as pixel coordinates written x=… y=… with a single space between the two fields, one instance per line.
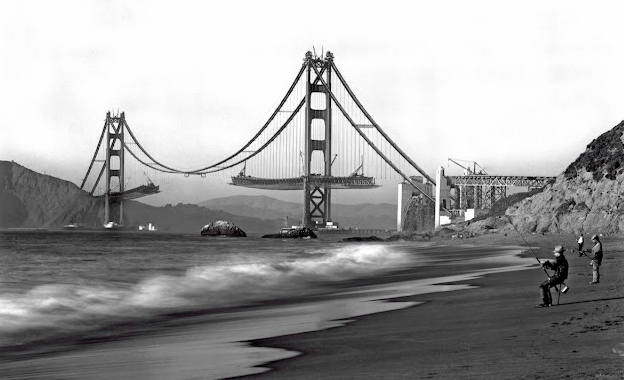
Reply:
x=482 y=191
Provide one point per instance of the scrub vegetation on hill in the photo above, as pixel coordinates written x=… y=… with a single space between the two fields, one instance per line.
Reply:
x=604 y=157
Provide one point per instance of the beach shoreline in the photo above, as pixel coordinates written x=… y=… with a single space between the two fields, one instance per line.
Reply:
x=215 y=344
x=455 y=309
x=492 y=331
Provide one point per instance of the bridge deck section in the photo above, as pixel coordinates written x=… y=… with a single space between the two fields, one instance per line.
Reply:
x=137 y=192
x=351 y=182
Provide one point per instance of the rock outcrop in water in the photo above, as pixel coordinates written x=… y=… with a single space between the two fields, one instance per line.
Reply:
x=360 y=239
x=222 y=228
x=294 y=233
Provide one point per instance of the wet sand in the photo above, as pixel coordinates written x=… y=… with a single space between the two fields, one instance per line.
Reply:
x=214 y=345
x=491 y=332
x=468 y=313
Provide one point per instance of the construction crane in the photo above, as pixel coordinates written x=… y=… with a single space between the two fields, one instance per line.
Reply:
x=468 y=170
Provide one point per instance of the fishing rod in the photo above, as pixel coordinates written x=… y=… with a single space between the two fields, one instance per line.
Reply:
x=584 y=252
x=581 y=251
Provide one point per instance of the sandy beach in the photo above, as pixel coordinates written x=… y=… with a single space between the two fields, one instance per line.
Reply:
x=493 y=331
x=456 y=309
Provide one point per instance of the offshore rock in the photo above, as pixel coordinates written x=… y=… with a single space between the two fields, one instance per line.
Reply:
x=410 y=236
x=295 y=233
x=362 y=238
x=222 y=228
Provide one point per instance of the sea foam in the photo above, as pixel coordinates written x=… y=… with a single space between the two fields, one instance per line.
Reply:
x=52 y=309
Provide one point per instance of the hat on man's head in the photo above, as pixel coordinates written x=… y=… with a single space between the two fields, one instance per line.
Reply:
x=595 y=237
x=559 y=249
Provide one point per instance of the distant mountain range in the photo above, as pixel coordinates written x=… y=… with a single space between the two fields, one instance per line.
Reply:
x=367 y=215
x=32 y=200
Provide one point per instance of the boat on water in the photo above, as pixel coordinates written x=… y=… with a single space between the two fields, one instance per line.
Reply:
x=149 y=227
x=73 y=226
x=112 y=226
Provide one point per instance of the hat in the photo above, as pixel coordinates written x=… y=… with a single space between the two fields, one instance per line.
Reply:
x=594 y=237
x=559 y=249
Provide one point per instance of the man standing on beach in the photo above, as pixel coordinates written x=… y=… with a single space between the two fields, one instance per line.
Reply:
x=580 y=244
x=597 y=259
x=560 y=266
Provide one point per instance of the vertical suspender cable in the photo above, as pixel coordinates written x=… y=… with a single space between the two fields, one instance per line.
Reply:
x=370 y=142
x=367 y=115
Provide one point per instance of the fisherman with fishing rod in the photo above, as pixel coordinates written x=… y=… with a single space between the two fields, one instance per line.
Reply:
x=560 y=266
x=596 y=258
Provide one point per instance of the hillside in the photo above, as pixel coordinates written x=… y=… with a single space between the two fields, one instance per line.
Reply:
x=361 y=216
x=32 y=200
x=587 y=197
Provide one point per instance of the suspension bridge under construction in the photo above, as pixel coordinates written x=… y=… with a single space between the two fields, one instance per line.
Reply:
x=319 y=139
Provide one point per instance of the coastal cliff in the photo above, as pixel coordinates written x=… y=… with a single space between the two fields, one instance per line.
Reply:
x=586 y=198
x=32 y=200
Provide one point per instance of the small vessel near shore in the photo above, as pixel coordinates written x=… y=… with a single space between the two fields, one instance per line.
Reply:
x=73 y=226
x=112 y=226
x=149 y=227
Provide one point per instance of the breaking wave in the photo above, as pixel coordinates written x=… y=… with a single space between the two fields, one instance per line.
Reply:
x=49 y=310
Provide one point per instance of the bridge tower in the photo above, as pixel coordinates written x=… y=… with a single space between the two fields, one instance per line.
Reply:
x=318 y=137
x=114 y=164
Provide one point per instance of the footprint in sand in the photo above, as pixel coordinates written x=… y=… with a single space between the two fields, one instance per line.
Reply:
x=619 y=351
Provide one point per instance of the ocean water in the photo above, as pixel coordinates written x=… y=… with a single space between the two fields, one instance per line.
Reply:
x=150 y=305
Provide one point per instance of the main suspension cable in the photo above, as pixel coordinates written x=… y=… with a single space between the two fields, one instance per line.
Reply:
x=94 y=154
x=369 y=117
x=368 y=141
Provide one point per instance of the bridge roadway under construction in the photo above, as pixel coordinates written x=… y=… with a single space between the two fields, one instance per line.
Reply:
x=297 y=183
x=314 y=139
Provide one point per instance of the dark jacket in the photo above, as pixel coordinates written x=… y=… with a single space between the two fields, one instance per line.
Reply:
x=560 y=266
x=597 y=252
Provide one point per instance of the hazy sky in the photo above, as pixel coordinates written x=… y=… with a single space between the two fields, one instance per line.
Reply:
x=520 y=89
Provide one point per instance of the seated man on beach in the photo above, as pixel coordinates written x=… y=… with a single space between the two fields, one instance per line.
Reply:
x=560 y=266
